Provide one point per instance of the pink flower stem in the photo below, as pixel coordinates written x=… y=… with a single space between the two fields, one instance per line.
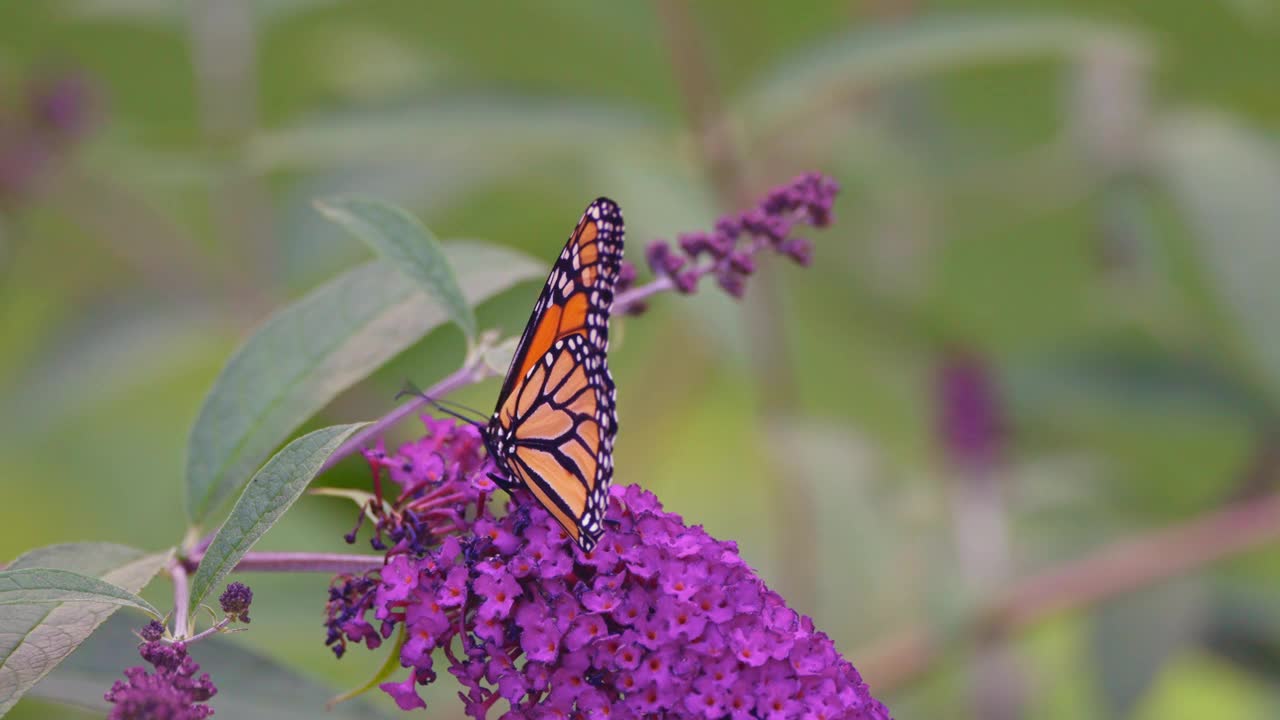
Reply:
x=308 y=562
x=448 y=653
x=625 y=301
x=456 y=527
x=376 y=504
x=439 y=496
x=1127 y=565
x=439 y=502
x=457 y=524
x=214 y=630
x=181 y=598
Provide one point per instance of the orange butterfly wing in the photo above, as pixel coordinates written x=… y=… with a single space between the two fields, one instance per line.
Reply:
x=555 y=421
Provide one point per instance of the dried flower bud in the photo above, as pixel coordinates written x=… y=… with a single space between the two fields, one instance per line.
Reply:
x=674 y=264
x=800 y=250
x=742 y=263
x=695 y=244
x=732 y=283
x=686 y=282
x=637 y=308
x=152 y=631
x=658 y=253
x=235 y=602
x=626 y=276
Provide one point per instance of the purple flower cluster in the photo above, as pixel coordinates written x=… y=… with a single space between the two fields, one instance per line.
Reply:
x=171 y=692
x=438 y=477
x=729 y=251
x=59 y=110
x=659 y=620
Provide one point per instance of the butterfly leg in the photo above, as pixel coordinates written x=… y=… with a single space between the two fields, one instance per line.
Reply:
x=503 y=481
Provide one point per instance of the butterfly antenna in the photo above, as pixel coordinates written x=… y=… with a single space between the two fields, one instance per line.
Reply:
x=460 y=406
x=414 y=390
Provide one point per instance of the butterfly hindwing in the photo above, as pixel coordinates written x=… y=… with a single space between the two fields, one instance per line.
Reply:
x=555 y=420
x=562 y=425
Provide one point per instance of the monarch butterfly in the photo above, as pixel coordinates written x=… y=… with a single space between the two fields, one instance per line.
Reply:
x=553 y=426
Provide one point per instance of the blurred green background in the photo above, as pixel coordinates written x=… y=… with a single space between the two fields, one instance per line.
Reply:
x=1044 y=322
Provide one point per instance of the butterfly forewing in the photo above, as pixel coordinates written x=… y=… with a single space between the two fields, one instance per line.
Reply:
x=555 y=420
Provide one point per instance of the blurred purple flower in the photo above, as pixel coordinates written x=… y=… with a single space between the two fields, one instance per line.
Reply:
x=60 y=110
x=970 y=424
x=23 y=161
x=171 y=692
x=63 y=106
x=659 y=619
x=729 y=251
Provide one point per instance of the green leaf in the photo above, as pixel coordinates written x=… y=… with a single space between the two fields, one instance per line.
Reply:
x=398 y=236
x=1227 y=180
x=168 y=15
x=389 y=668
x=250 y=685
x=35 y=638
x=49 y=585
x=499 y=357
x=832 y=471
x=1136 y=635
x=128 y=350
x=866 y=58
x=312 y=350
x=1120 y=377
x=498 y=134
x=270 y=493
x=1244 y=628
